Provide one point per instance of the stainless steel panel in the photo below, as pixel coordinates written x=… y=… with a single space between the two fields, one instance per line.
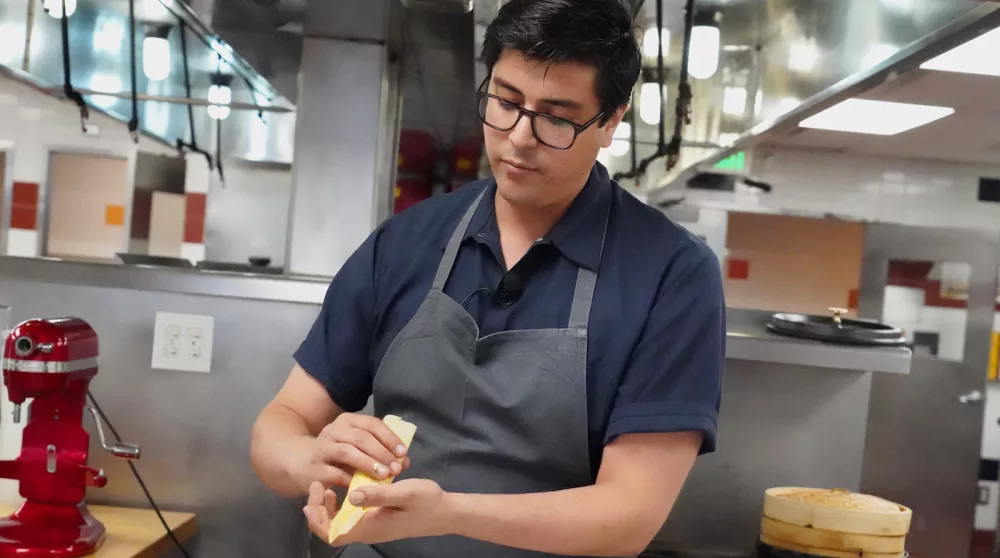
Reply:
x=163 y=279
x=923 y=444
x=780 y=425
x=747 y=339
x=194 y=429
x=335 y=173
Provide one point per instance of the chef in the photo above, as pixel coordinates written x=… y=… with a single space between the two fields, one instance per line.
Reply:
x=558 y=344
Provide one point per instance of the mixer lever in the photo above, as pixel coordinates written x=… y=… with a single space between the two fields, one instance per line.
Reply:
x=121 y=449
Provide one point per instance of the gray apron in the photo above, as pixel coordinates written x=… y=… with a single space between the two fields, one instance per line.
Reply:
x=501 y=414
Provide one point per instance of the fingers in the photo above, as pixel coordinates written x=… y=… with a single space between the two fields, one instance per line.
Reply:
x=333 y=476
x=381 y=432
x=362 y=443
x=316 y=511
x=381 y=496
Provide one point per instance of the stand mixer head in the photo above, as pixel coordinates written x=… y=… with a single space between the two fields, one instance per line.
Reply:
x=52 y=362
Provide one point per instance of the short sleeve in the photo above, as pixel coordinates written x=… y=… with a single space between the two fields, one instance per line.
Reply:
x=337 y=348
x=673 y=380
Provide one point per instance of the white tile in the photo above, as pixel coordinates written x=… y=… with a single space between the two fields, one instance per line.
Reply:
x=193 y=252
x=22 y=242
x=986 y=514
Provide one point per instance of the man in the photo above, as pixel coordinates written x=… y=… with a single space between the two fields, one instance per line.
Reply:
x=558 y=344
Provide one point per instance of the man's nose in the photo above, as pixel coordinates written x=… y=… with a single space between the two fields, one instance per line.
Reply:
x=522 y=134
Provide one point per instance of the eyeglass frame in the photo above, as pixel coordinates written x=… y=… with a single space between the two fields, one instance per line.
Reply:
x=521 y=111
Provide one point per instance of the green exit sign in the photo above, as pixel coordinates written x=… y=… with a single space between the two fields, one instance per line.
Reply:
x=736 y=161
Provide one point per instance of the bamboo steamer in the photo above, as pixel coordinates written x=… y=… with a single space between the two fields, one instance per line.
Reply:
x=837 y=510
x=826 y=552
x=809 y=537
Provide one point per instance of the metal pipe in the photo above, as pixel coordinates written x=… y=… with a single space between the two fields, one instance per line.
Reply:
x=175 y=100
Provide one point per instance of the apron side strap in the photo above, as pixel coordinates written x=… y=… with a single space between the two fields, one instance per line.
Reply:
x=583 y=296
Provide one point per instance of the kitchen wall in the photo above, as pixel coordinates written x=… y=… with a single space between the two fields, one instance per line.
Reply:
x=87 y=198
x=855 y=188
x=33 y=124
x=782 y=262
x=170 y=206
x=248 y=215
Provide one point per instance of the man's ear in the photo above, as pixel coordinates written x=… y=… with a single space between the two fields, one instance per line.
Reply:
x=608 y=129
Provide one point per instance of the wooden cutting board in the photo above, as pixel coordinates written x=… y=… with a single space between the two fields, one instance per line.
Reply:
x=136 y=532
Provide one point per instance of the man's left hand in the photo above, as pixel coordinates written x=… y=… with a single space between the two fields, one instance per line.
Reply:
x=403 y=510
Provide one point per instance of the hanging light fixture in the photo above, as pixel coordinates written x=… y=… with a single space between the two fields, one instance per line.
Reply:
x=156 y=53
x=705 y=46
x=651 y=42
x=220 y=94
x=651 y=97
x=55 y=8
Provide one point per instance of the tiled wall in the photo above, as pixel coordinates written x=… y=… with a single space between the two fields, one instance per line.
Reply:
x=32 y=125
x=904 y=191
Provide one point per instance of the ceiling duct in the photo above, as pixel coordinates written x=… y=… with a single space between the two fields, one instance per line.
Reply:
x=442 y=6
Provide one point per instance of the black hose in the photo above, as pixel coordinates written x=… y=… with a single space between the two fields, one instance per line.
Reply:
x=639 y=169
x=181 y=144
x=683 y=115
x=67 y=82
x=133 y=123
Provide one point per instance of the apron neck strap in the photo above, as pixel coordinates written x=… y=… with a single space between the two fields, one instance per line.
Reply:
x=586 y=280
x=451 y=251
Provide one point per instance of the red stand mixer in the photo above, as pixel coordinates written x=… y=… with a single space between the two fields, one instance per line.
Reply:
x=52 y=363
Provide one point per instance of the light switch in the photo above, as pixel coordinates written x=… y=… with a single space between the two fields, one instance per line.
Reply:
x=183 y=342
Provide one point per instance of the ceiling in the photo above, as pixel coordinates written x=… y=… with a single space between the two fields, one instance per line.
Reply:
x=971 y=134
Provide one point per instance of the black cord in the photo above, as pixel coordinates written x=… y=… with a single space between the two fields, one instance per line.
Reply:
x=133 y=123
x=135 y=472
x=67 y=82
x=181 y=144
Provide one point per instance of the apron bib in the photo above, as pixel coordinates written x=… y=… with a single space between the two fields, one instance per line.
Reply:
x=501 y=414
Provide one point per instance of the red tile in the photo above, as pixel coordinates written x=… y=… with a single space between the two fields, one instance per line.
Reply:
x=852 y=299
x=142 y=210
x=25 y=193
x=24 y=217
x=738 y=269
x=194 y=218
x=24 y=206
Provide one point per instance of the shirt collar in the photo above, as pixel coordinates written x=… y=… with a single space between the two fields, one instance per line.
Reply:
x=578 y=235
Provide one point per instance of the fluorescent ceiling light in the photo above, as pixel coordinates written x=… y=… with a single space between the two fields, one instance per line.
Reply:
x=803 y=55
x=883 y=118
x=728 y=138
x=734 y=100
x=650 y=101
x=651 y=42
x=978 y=56
x=705 y=47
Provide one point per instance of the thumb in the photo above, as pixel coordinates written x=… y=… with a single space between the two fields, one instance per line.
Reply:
x=380 y=496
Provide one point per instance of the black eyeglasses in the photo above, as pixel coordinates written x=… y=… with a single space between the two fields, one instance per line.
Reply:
x=552 y=131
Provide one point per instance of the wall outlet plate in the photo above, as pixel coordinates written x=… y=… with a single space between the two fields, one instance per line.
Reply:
x=183 y=342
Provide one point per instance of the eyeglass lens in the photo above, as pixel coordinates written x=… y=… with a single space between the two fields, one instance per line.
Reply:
x=552 y=131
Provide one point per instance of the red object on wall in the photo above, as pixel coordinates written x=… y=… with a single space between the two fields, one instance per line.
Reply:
x=194 y=217
x=416 y=153
x=464 y=165
x=24 y=206
x=738 y=269
x=414 y=169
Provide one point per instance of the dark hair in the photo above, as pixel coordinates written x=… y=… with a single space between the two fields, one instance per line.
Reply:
x=597 y=33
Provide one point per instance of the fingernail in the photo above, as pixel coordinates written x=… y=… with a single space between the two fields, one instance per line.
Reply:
x=380 y=470
x=396 y=468
x=401 y=450
x=357 y=497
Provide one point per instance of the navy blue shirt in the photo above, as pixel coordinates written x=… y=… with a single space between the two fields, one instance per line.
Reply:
x=656 y=336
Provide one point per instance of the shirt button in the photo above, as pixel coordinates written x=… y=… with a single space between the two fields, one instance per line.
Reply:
x=481 y=234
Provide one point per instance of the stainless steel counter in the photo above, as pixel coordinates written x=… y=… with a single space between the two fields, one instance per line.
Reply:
x=748 y=339
x=299 y=289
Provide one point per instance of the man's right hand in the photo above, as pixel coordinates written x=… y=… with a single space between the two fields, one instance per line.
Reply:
x=350 y=443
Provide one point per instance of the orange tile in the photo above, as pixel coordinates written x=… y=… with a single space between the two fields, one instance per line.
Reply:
x=114 y=215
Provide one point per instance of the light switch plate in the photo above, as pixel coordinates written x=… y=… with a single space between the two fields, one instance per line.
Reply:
x=183 y=342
